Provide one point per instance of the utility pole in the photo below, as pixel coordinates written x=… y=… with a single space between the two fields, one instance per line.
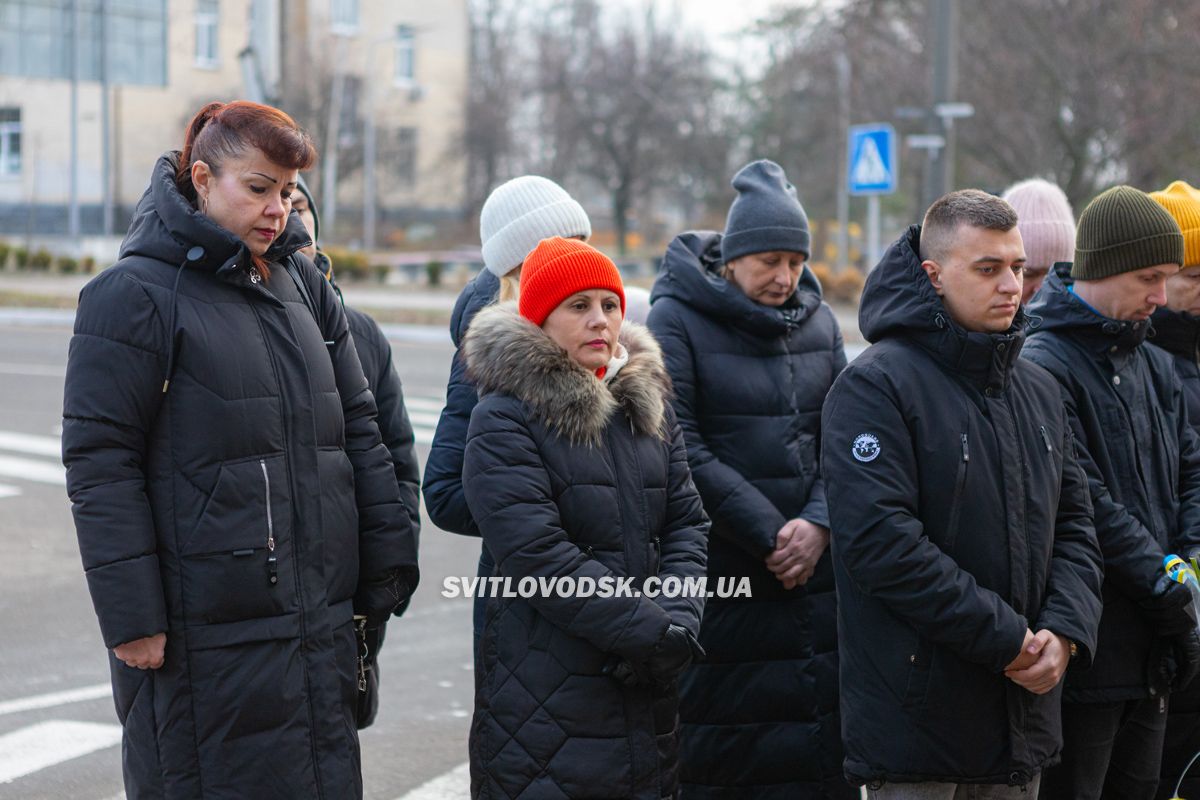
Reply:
x=843 y=194
x=943 y=87
x=73 y=227
x=106 y=192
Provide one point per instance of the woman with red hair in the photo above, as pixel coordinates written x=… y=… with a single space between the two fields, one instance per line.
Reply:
x=234 y=504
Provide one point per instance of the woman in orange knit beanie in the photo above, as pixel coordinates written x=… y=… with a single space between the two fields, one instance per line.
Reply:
x=576 y=473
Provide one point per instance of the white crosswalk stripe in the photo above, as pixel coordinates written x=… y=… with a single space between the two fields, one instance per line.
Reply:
x=36 y=747
x=30 y=458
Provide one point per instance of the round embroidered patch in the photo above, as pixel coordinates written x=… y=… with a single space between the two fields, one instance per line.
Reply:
x=865 y=447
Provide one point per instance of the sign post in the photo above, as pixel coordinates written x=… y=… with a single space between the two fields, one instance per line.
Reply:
x=871 y=171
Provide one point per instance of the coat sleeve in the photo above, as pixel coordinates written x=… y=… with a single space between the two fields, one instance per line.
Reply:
x=1133 y=559
x=684 y=538
x=816 y=510
x=445 y=499
x=1073 y=599
x=113 y=390
x=739 y=511
x=509 y=492
x=387 y=537
x=878 y=541
x=395 y=427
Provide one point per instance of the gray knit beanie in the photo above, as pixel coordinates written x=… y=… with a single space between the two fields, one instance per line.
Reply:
x=1123 y=230
x=765 y=216
x=519 y=214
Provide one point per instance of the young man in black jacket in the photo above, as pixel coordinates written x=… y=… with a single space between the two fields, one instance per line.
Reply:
x=967 y=568
x=1143 y=465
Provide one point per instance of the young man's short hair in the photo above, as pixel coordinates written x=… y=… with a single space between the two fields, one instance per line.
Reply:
x=964 y=207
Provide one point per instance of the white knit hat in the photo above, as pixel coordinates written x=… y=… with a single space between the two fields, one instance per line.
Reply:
x=519 y=214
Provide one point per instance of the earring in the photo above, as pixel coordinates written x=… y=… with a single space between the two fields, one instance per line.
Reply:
x=204 y=205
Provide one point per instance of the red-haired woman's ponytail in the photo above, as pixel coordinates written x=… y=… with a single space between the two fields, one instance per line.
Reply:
x=183 y=173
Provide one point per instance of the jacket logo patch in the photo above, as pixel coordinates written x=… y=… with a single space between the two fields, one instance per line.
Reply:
x=865 y=447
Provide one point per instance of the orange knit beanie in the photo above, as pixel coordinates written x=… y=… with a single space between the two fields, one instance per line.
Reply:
x=558 y=268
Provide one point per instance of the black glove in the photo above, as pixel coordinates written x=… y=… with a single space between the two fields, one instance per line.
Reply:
x=1174 y=662
x=673 y=654
x=376 y=599
x=625 y=673
x=1169 y=608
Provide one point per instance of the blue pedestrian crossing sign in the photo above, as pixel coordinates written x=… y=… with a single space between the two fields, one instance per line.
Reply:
x=872 y=162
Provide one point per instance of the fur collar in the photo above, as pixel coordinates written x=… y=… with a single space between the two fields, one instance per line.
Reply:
x=504 y=352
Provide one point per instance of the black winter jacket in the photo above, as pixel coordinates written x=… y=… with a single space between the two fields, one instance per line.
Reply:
x=760 y=715
x=206 y=422
x=1178 y=332
x=1143 y=467
x=395 y=428
x=960 y=518
x=443 y=486
x=570 y=476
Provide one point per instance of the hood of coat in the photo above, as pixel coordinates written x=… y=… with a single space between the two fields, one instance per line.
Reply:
x=691 y=273
x=1177 y=332
x=899 y=300
x=1056 y=308
x=167 y=227
x=506 y=353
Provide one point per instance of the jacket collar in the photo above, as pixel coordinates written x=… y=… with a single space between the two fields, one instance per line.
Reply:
x=1057 y=308
x=167 y=227
x=506 y=353
x=691 y=273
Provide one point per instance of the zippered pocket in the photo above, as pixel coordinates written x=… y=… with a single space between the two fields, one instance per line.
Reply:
x=1046 y=439
x=272 y=564
x=960 y=483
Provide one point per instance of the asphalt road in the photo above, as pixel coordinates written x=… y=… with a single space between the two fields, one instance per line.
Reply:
x=58 y=729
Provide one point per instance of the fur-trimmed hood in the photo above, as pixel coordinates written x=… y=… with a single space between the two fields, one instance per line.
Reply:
x=506 y=353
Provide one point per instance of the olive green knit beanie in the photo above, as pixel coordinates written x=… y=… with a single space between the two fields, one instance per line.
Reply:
x=1123 y=230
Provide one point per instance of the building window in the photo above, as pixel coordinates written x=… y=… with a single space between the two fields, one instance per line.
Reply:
x=207 y=24
x=406 y=56
x=344 y=16
x=10 y=142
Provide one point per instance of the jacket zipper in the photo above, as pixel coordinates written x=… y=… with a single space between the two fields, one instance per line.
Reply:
x=272 y=563
x=637 y=463
x=1046 y=439
x=959 y=487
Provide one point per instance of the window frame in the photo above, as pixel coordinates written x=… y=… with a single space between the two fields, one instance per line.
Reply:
x=206 y=19
x=404 y=43
x=345 y=17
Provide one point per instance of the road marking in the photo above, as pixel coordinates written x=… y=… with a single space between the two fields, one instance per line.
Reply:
x=52 y=699
x=36 y=370
x=452 y=785
x=8 y=491
x=45 y=744
x=423 y=419
x=30 y=470
x=33 y=445
x=431 y=404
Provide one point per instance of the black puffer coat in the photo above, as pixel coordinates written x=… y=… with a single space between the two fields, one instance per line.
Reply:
x=760 y=715
x=569 y=476
x=1143 y=467
x=960 y=519
x=443 y=486
x=264 y=437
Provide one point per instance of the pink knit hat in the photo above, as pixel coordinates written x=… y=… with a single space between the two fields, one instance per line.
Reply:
x=1045 y=220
